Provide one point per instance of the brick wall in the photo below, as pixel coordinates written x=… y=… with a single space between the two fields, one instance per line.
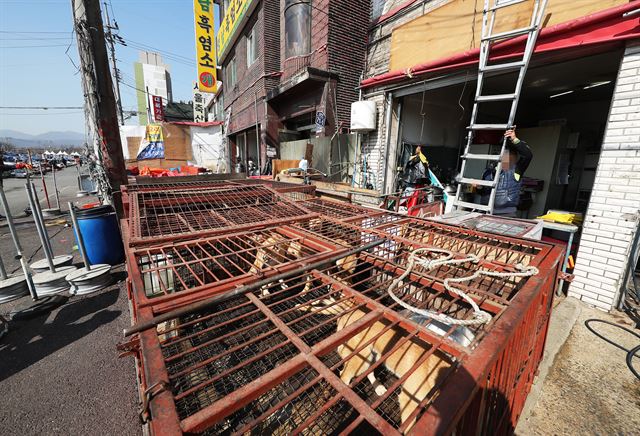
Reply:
x=261 y=76
x=319 y=39
x=612 y=215
x=347 y=51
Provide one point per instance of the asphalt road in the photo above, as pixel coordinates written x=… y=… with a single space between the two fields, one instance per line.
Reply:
x=60 y=373
x=67 y=180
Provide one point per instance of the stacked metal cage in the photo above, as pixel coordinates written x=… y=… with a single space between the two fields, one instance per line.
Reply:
x=294 y=304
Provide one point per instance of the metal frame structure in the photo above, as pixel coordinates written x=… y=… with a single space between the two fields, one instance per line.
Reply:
x=292 y=303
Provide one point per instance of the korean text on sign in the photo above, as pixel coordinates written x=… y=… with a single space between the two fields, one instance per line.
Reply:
x=205 y=45
x=234 y=13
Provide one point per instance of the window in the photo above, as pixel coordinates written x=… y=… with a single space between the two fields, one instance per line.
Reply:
x=231 y=73
x=297 y=28
x=225 y=8
x=377 y=8
x=252 y=46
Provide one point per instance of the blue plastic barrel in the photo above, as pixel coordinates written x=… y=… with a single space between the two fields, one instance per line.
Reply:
x=101 y=234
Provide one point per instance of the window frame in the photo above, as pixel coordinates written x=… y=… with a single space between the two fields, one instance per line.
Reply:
x=251 y=40
x=290 y=4
x=232 y=72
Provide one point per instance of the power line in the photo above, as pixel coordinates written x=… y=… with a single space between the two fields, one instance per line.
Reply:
x=41 y=114
x=32 y=39
x=23 y=32
x=160 y=50
x=42 y=107
x=35 y=46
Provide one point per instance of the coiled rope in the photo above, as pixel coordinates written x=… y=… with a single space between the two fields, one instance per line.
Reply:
x=479 y=315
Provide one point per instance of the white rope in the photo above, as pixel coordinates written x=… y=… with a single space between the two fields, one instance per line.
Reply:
x=479 y=315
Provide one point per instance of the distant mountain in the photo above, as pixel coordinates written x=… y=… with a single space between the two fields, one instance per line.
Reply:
x=48 y=139
x=6 y=133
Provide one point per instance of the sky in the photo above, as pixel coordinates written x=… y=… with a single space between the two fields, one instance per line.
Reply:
x=35 y=71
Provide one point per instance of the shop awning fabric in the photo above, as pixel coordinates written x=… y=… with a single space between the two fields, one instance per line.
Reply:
x=603 y=27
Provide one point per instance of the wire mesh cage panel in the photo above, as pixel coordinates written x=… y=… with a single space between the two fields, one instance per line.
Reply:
x=337 y=209
x=181 y=183
x=279 y=186
x=432 y=330
x=328 y=350
x=487 y=246
x=165 y=270
x=161 y=215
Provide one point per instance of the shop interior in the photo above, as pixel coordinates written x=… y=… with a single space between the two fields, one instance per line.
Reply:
x=562 y=115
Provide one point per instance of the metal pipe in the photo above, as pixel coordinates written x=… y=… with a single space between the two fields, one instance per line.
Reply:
x=55 y=189
x=45 y=232
x=36 y=218
x=44 y=186
x=3 y=271
x=79 y=177
x=83 y=252
x=389 y=110
x=255 y=106
x=16 y=243
x=195 y=307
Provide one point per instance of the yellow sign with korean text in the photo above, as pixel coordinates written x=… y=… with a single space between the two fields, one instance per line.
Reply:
x=205 y=45
x=233 y=16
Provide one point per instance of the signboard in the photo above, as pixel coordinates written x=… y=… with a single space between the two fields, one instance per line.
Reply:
x=205 y=45
x=152 y=146
x=199 y=110
x=233 y=16
x=321 y=119
x=158 y=110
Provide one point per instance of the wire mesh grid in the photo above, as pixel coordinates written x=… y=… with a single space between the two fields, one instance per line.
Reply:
x=485 y=246
x=297 y=196
x=179 y=184
x=279 y=186
x=336 y=231
x=219 y=351
x=497 y=225
x=373 y=221
x=336 y=209
x=315 y=310
x=209 y=356
x=177 y=267
x=216 y=352
x=171 y=213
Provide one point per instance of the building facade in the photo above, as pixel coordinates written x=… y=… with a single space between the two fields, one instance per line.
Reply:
x=579 y=111
x=152 y=78
x=290 y=71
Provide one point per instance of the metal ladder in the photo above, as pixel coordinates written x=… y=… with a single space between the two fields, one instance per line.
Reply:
x=491 y=7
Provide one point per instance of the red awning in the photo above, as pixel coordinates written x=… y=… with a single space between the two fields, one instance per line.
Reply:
x=595 y=29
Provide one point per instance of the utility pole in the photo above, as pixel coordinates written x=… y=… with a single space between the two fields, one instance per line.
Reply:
x=114 y=66
x=100 y=104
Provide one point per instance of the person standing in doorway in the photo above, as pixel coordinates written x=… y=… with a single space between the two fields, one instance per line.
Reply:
x=514 y=162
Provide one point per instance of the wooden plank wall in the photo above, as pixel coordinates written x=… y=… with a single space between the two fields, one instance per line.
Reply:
x=457 y=25
x=177 y=148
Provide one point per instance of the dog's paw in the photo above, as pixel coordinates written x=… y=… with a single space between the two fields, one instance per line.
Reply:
x=380 y=389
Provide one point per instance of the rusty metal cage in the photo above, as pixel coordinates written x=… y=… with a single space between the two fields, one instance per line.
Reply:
x=161 y=215
x=321 y=347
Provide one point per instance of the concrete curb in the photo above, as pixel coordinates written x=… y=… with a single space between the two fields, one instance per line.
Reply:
x=563 y=318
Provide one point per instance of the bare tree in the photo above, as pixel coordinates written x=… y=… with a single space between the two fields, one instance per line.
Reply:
x=5 y=146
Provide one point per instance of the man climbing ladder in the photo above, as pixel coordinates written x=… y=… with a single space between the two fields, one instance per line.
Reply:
x=514 y=163
x=523 y=151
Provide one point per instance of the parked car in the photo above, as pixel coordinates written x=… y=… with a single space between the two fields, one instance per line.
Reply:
x=20 y=173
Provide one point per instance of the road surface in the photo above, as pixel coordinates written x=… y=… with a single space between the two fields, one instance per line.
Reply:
x=67 y=180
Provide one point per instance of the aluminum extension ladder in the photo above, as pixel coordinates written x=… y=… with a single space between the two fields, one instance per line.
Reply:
x=491 y=8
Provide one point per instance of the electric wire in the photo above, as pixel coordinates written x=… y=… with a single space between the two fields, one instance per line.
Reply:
x=631 y=353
